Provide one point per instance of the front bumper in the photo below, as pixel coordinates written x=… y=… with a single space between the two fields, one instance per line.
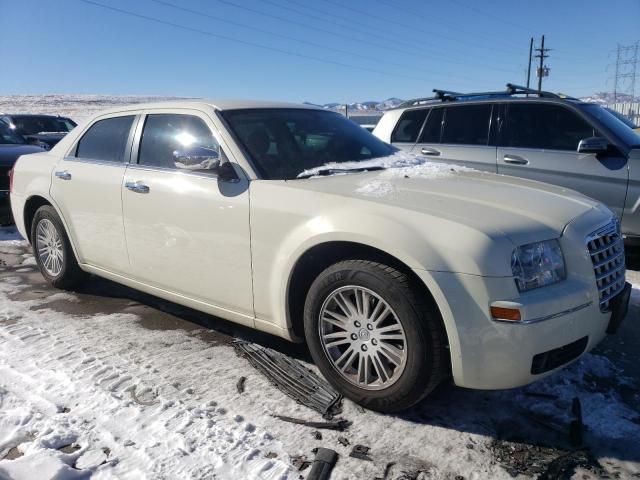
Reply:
x=487 y=354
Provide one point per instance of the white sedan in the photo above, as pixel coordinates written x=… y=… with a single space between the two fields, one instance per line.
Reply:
x=292 y=220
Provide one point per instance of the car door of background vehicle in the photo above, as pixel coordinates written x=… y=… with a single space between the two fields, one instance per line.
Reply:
x=87 y=186
x=459 y=134
x=540 y=140
x=187 y=231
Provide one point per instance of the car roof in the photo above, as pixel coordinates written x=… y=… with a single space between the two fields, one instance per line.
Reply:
x=34 y=115
x=216 y=104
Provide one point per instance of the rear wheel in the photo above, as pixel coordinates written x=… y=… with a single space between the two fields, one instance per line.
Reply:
x=53 y=251
x=373 y=335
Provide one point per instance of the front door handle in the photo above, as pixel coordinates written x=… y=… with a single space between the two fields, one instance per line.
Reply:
x=137 y=187
x=430 y=151
x=63 y=175
x=515 y=160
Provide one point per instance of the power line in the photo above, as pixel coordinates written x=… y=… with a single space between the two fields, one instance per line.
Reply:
x=438 y=20
x=311 y=27
x=287 y=37
x=244 y=42
x=405 y=25
x=412 y=44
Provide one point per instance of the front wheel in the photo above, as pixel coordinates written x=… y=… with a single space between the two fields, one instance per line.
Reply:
x=53 y=251
x=373 y=335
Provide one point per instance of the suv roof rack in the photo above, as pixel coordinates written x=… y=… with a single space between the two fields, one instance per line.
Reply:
x=450 y=96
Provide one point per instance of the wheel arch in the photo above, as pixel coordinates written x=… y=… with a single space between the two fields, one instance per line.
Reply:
x=31 y=206
x=320 y=256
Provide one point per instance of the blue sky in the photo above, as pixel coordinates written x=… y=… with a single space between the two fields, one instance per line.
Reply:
x=301 y=50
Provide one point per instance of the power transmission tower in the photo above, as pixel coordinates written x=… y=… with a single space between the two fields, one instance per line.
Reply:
x=543 y=70
x=626 y=72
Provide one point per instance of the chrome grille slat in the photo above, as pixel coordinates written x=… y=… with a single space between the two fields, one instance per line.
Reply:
x=606 y=248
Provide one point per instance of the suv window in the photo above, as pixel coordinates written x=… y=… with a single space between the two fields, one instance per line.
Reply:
x=431 y=131
x=106 y=140
x=543 y=126
x=409 y=126
x=467 y=125
x=165 y=136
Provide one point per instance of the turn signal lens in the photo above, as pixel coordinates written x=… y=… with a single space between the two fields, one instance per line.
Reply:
x=501 y=313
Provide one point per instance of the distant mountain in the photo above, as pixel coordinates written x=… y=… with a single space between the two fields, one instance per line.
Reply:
x=373 y=107
x=370 y=106
x=607 y=98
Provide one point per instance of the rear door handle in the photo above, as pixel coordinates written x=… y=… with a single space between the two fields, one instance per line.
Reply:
x=63 y=175
x=137 y=187
x=430 y=151
x=515 y=160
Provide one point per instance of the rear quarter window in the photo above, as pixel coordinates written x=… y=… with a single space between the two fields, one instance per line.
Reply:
x=409 y=126
x=106 y=140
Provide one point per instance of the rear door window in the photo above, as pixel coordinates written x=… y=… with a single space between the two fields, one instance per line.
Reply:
x=106 y=140
x=467 y=124
x=433 y=127
x=544 y=126
x=409 y=126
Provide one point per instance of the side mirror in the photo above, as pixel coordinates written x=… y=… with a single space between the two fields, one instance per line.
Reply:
x=196 y=158
x=593 y=145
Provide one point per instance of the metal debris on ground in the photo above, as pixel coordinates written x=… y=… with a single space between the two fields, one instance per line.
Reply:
x=361 y=452
x=576 y=425
x=548 y=396
x=292 y=378
x=300 y=462
x=240 y=384
x=323 y=464
x=317 y=435
x=343 y=441
x=271 y=455
x=341 y=425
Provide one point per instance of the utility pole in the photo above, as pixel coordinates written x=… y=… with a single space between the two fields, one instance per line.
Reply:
x=530 y=57
x=543 y=71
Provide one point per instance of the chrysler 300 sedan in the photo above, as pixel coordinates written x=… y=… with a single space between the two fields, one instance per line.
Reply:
x=397 y=272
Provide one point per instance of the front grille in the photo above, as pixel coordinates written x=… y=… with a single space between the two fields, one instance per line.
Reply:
x=606 y=248
x=4 y=178
x=543 y=362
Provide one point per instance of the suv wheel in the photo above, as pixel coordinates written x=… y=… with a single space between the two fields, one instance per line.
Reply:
x=373 y=336
x=53 y=251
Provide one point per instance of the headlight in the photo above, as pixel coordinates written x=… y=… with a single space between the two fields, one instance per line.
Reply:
x=537 y=264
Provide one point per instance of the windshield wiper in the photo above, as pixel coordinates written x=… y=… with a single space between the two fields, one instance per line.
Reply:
x=323 y=172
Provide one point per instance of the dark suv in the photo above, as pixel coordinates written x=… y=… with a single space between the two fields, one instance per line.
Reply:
x=12 y=146
x=39 y=129
x=525 y=133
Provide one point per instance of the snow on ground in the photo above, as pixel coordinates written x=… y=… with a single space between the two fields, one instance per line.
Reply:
x=76 y=107
x=102 y=396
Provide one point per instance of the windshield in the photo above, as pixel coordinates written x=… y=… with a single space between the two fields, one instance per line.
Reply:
x=622 y=131
x=286 y=142
x=33 y=125
x=622 y=118
x=9 y=137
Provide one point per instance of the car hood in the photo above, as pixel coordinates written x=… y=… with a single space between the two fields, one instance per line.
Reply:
x=10 y=153
x=498 y=205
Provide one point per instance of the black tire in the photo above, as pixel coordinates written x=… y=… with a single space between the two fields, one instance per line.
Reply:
x=426 y=362
x=70 y=274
